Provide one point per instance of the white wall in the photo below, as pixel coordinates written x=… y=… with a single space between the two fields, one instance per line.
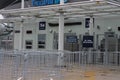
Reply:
x=103 y=23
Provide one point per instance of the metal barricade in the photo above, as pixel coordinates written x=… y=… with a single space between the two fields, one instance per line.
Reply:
x=6 y=66
x=93 y=57
x=92 y=65
x=53 y=65
x=29 y=65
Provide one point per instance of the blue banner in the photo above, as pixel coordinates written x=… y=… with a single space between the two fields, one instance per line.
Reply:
x=87 y=41
x=45 y=2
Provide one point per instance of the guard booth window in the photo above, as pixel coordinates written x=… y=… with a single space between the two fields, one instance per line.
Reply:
x=29 y=44
x=41 y=41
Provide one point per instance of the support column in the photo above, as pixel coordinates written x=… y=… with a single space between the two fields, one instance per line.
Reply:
x=91 y=26
x=90 y=54
x=61 y=2
x=61 y=36
x=21 y=29
x=21 y=36
x=22 y=4
x=61 y=33
x=61 y=30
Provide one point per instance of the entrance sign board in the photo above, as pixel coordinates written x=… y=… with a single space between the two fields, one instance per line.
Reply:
x=45 y=2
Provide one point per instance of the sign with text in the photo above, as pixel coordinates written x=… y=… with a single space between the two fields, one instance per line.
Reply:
x=45 y=2
x=87 y=41
x=71 y=39
x=42 y=25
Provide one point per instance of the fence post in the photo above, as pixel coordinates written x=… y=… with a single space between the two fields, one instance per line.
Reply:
x=25 y=65
x=60 y=59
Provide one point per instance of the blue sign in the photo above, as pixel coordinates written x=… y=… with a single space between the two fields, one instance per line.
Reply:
x=42 y=25
x=87 y=41
x=71 y=39
x=87 y=22
x=45 y=2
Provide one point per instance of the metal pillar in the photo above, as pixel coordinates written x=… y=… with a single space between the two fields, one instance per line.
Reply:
x=61 y=36
x=106 y=52
x=21 y=36
x=21 y=28
x=61 y=30
x=91 y=26
x=61 y=2
x=90 y=57
x=22 y=4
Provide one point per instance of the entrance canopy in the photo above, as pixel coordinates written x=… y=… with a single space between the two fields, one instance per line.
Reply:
x=97 y=8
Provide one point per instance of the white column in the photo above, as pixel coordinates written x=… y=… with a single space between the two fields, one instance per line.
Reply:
x=22 y=4
x=61 y=30
x=90 y=57
x=61 y=36
x=21 y=29
x=91 y=26
x=21 y=36
x=61 y=39
x=61 y=2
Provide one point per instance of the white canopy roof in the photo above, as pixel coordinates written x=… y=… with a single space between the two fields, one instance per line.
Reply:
x=95 y=8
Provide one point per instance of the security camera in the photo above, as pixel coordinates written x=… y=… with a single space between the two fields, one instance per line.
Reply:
x=50 y=30
x=109 y=29
x=69 y=30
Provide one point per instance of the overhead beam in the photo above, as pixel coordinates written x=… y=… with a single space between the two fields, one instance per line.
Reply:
x=76 y=8
x=49 y=7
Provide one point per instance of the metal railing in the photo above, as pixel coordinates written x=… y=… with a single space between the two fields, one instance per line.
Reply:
x=52 y=65
x=29 y=65
x=92 y=57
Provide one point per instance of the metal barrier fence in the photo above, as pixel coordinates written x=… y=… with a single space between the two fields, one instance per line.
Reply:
x=29 y=65
x=92 y=65
x=92 y=57
x=51 y=65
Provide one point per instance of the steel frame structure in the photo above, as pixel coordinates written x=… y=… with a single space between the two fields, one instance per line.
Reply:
x=97 y=8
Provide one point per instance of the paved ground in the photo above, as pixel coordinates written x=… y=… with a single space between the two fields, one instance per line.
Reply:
x=92 y=73
x=8 y=71
x=72 y=73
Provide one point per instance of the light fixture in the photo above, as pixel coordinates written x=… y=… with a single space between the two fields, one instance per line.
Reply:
x=109 y=29
x=70 y=30
x=1 y=16
x=50 y=30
